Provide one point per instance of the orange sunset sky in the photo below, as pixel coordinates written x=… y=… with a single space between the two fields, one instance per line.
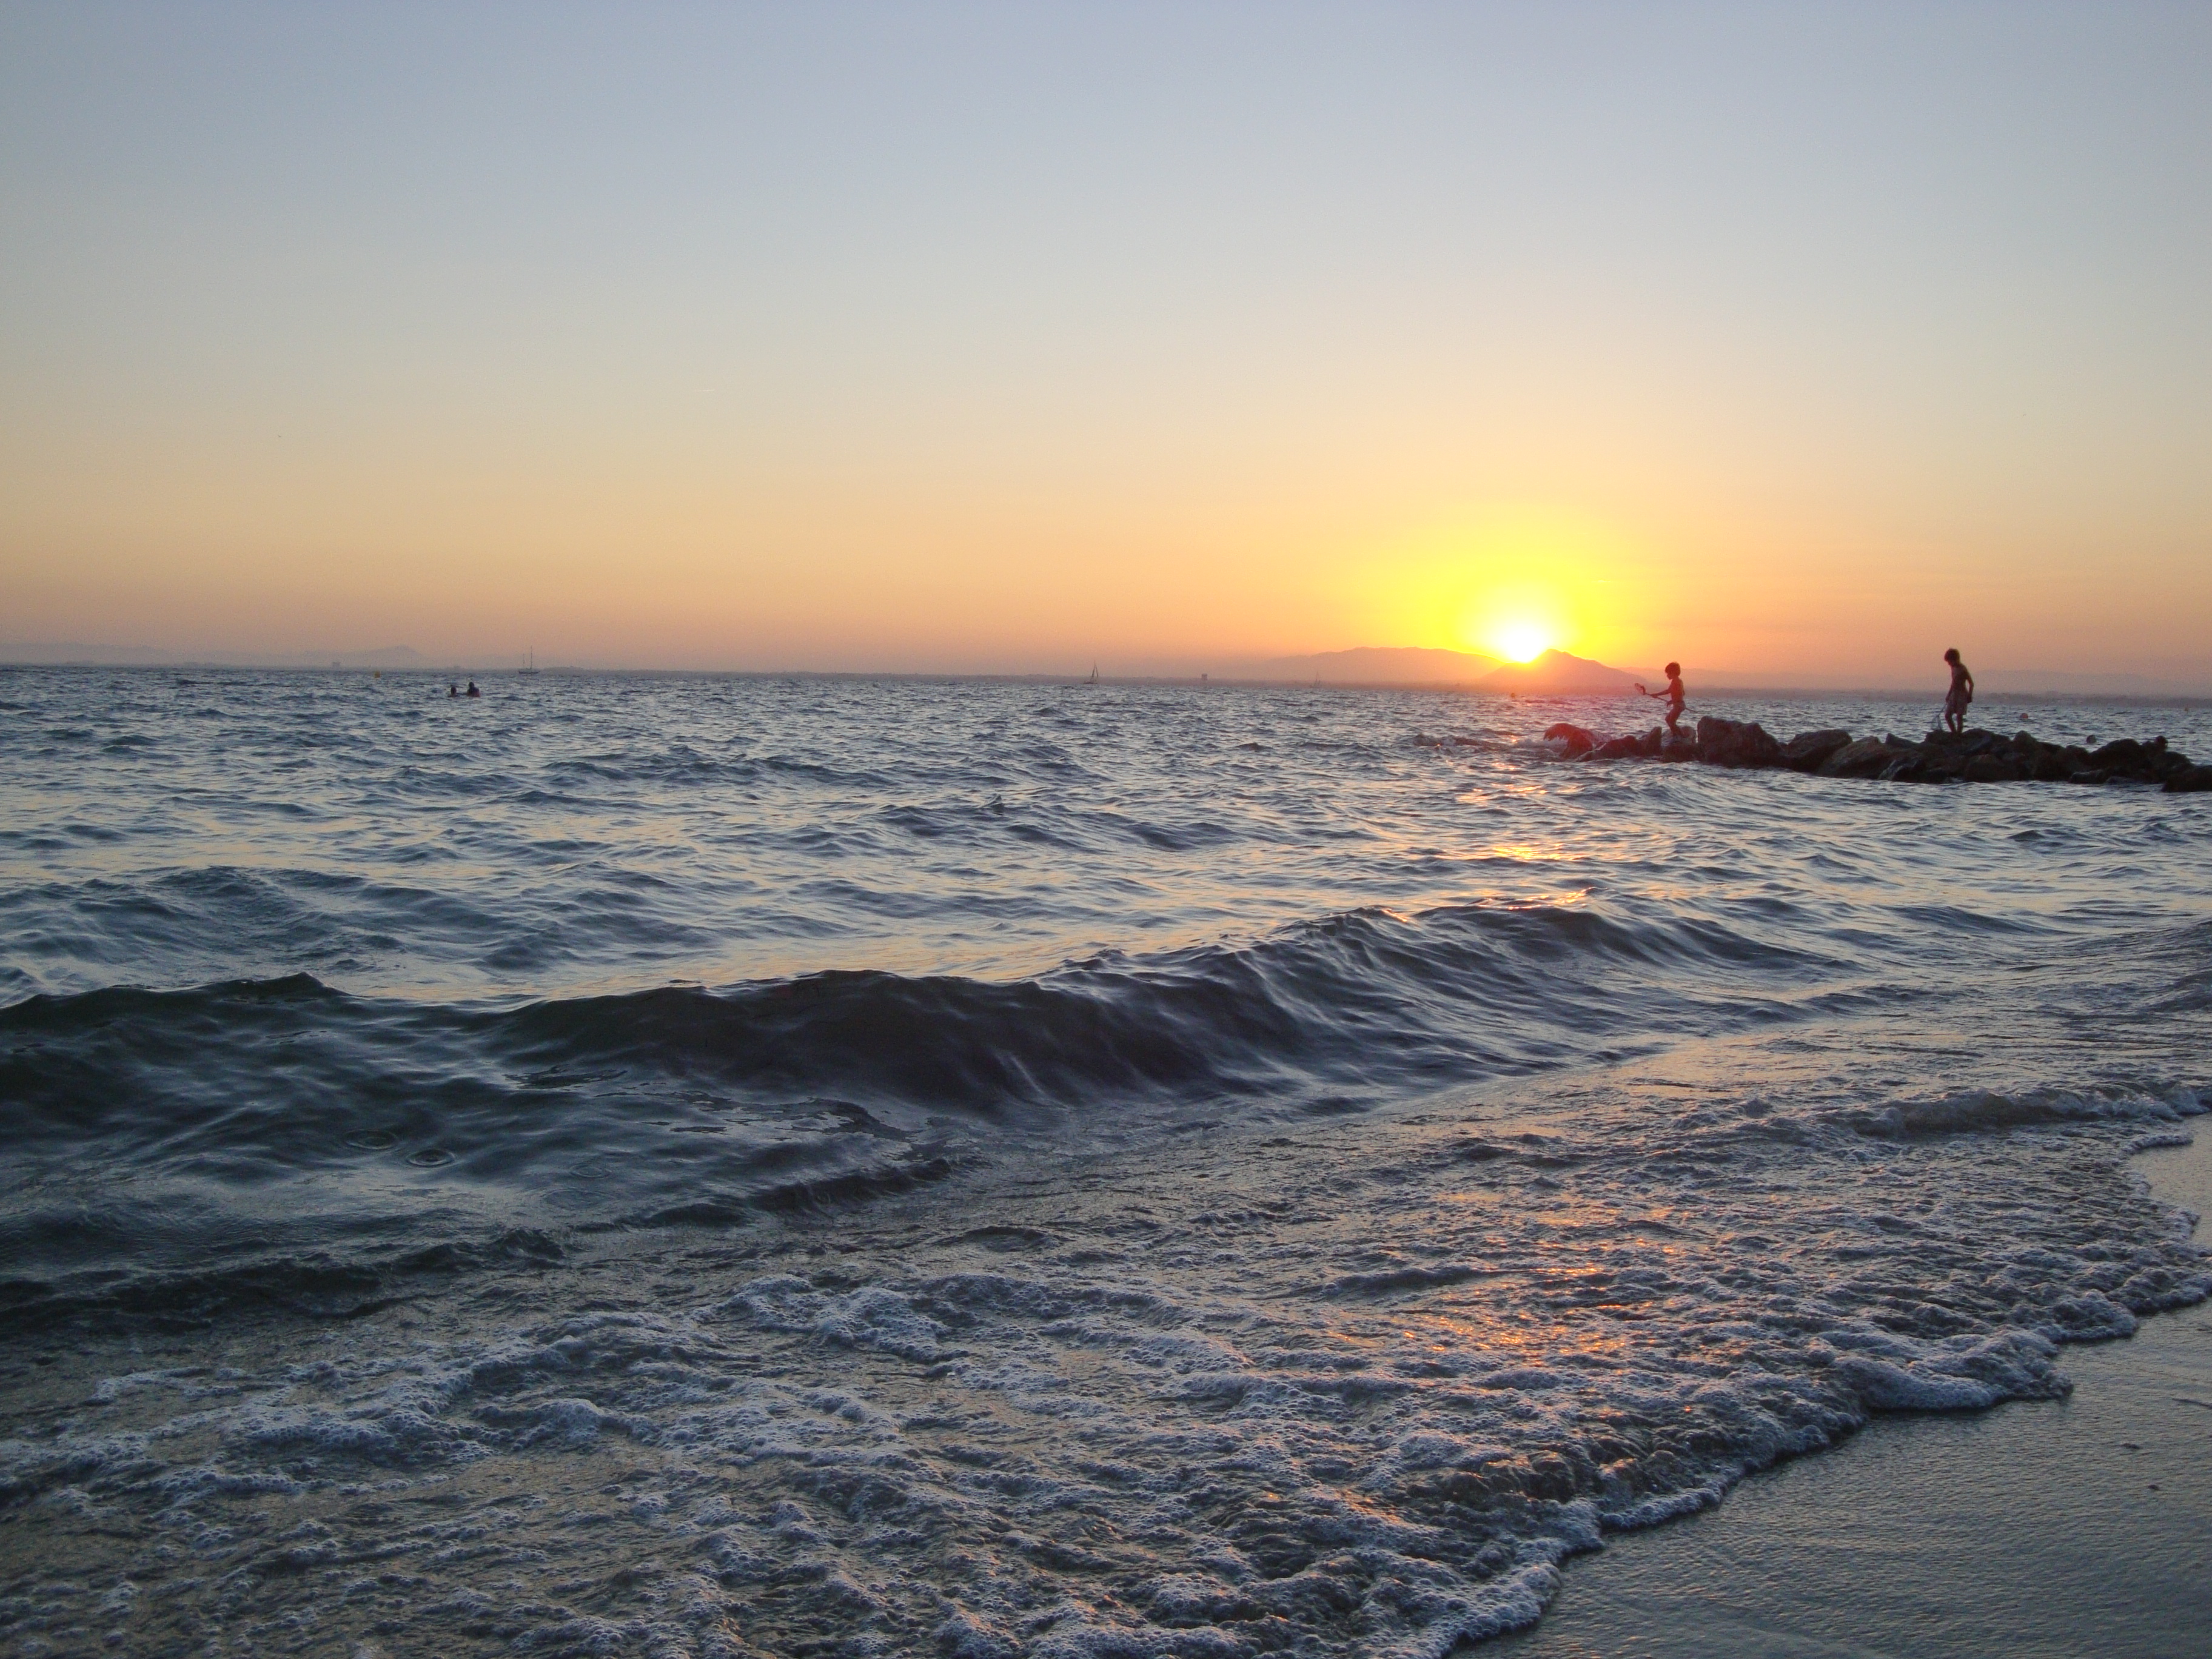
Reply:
x=1795 y=341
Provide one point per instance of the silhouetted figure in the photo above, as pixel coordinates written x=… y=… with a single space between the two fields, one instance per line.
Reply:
x=452 y=689
x=473 y=690
x=1675 y=696
x=1960 y=694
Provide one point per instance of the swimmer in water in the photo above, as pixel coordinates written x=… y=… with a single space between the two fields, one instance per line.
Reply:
x=473 y=690
x=1674 y=695
x=1960 y=694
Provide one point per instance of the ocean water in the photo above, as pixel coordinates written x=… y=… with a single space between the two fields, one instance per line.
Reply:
x=673 y=1165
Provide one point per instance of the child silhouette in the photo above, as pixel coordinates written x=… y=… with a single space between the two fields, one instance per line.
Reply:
x=1674 y=696
x=1960 y=694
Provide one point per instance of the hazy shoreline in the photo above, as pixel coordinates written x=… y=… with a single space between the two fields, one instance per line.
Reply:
x=1733 y=693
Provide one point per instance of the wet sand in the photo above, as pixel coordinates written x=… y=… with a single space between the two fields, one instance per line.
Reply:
x=2081 y=1526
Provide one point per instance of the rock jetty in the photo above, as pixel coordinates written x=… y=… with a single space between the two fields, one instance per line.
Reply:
x=1975 y=757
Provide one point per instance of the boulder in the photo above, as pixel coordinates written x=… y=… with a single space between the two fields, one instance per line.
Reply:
x=2140 y=763
x=1737 y=744
x=1906 y=764
x=1810 y=751
x=1992 y=769
x=1572 y=738
x=2027 y=754
x=1962 y=746
x=1972 y=757
x=2124 y=756
x=1863 y=757
x=2057 y=764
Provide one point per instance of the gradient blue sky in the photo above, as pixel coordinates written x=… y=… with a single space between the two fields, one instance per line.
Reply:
x=1795 y=341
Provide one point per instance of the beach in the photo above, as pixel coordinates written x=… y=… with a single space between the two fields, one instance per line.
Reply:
x=2045 y=1528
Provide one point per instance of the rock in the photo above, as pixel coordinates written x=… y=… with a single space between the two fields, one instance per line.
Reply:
x=1972 y=756
x=1737 y=744
x=1906 y=764
x=2123 y=755
x=1991 y=769
x=1863 y=757
x=2138 y=762
x=2029 y=755
x=1573 y=738
x=1810 y=751
x=2055 y=764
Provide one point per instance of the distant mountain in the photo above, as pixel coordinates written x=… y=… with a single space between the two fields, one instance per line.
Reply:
x=1559 y=674
x=1377 y=665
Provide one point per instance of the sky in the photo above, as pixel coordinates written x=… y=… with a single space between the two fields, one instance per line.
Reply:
x=1795 y=341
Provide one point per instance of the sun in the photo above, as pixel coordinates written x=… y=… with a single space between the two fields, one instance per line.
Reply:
x=1520 y=640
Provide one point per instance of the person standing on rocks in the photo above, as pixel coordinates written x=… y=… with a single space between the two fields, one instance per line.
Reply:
x=1675 y=696
x=1960 y=694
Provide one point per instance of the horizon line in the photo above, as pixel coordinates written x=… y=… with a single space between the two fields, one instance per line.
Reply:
x=2155 y=692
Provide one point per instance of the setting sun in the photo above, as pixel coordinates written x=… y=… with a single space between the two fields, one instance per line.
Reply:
x=1519 y=618
x=1521 y=641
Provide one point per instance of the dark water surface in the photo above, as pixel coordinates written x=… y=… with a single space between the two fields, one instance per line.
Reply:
x=731 y=1165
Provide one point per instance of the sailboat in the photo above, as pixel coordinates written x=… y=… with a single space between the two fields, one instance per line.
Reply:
x=1093 y=680
x=531 y=666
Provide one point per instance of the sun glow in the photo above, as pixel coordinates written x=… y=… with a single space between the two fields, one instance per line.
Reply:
x=1520 y=640
x=1510 y=583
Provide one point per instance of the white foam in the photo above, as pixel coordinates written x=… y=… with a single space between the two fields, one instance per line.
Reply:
x=1199 y=1452
x=872 y=1317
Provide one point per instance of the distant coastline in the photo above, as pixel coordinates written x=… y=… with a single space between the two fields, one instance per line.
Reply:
x=1997 y=685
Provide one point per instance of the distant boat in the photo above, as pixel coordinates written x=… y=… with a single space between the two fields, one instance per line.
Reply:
x=1093 y=680
x=530 y=667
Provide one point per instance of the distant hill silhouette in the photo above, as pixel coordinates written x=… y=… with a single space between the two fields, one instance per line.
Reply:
x=1377 y=665
x=1558 y=673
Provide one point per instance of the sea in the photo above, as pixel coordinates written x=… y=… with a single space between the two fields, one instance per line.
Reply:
x=809 y=1166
